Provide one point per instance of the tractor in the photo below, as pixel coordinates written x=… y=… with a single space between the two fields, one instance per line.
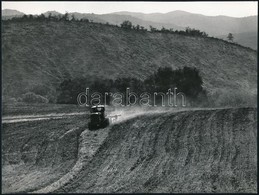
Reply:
x=97 y=118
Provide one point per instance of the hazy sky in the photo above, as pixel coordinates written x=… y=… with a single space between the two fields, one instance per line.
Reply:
x=235 y=9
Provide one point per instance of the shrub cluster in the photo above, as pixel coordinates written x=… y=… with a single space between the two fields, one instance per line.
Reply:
x=42 y=17
x=31 y=97
x=188 y=31
x=187 y=81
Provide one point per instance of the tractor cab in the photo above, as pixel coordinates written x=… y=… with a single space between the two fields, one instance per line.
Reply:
x=98 y=109
x=97 y=117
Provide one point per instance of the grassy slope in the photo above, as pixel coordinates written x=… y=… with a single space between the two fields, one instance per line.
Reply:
x=187 y=151
x=248 y=39
x=46 y=53
x=190 y=151
x=37 y=153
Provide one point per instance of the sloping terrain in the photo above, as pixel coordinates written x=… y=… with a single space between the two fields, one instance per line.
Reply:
x=193 y=151
x=178 y=20
x=37 y=54
x=37 y=153
x=218 y=26
x=186 y=151
x=248 y=39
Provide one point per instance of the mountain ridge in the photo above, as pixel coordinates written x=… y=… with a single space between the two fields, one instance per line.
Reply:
x=53 y=13
x=11 y=12
x=197 y=21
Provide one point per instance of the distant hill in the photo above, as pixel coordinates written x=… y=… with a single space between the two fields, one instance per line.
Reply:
x=213 y=25
x=11 y=12
x=42 y=55
x=244 y=28
x=53 y=13
x=118 y=19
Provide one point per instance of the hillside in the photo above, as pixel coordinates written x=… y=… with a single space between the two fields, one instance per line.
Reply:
x=213 y=25
x=195 y=151
x=45 y=53
x=244 y=28
x=248 y=39
x=212 y=150
x=178 y=20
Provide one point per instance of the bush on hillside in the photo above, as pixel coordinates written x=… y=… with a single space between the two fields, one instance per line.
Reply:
x=69 y=89
x=187 y=81
x=44 y=91
x=126 y=25
x=9 y=100
x=31 y=97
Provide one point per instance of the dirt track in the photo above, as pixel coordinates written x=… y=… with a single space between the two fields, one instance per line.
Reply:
x=188 y=151
x=38 y=117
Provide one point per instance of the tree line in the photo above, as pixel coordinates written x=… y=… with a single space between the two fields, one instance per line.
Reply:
x=49 y=17
x=187 y=80
x=125 y=24
x=188 y=31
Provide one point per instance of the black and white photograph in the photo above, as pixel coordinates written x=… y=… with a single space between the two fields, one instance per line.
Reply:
x=129 y=97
